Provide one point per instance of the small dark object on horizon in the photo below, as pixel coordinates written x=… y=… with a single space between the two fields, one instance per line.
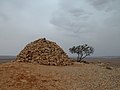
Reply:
x=85 y=62
x=44 y=39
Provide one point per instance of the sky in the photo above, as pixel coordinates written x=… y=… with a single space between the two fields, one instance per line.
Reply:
x=67 y=22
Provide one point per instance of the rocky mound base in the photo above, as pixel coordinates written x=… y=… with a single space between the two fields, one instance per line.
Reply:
x=44 y=52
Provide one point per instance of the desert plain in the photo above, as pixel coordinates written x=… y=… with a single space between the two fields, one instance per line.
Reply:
x=99 y=74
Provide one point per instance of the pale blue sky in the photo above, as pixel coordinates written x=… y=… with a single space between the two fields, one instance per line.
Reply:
x=67 y=22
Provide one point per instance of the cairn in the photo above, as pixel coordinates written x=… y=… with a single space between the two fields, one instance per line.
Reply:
x=44 y=52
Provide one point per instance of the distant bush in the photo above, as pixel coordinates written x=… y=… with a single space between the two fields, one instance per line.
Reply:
x=82 y=51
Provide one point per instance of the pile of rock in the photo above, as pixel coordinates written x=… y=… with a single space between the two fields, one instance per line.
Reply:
x=44 y=52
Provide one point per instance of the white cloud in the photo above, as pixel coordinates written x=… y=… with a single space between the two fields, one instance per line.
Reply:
x=91 y=21
x=68 y=22
x=22 y=21
x=106 y=5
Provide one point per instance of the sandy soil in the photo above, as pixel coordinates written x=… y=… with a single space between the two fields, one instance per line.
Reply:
x=80 y=76
x=114 y=62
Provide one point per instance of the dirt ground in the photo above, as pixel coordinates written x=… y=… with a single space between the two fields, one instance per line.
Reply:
x=80 y=76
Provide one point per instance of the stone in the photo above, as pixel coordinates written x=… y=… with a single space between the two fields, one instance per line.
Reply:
x=44 y=52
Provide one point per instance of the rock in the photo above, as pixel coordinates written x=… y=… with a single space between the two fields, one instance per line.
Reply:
x=44 y=52
x=109 y=68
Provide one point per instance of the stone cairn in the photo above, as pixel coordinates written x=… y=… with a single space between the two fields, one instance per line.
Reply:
x=44 y=52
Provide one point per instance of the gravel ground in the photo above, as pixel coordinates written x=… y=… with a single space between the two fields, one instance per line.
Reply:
x=80 y=76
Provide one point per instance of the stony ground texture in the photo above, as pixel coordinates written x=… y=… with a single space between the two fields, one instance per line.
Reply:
x=28 y=76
